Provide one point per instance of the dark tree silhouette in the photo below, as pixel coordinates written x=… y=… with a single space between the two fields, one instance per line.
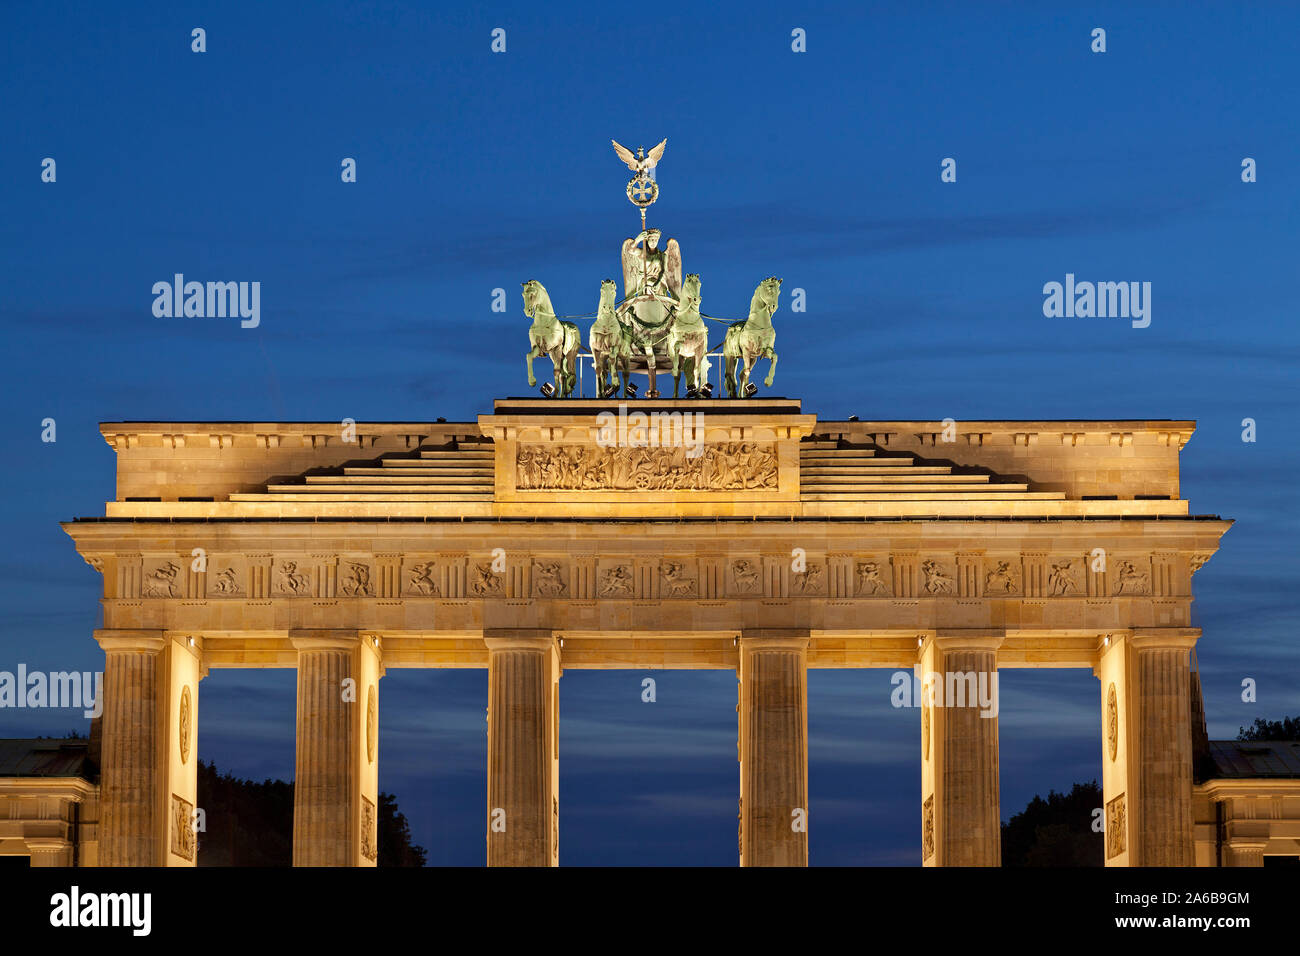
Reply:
x=395 y=846
x=251 y=824
x=1056 y=831
x=1288 y=728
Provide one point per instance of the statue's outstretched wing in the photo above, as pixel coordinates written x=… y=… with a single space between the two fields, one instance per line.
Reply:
x=625 y=154
x=631 y=267
x=655 y=155
x=673 y=266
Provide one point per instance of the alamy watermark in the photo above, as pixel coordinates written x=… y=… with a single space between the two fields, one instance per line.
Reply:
x=946 y=689
x=58 y=689
x=653 y=430
x=1102 y=300
x=212 y=300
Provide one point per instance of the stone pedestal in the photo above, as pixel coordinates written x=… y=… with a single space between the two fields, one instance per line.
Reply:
x=523 y=804
x=1147 y=746
x=150 y=748
x=336 y=798
x=960 y=822
x=773 y=739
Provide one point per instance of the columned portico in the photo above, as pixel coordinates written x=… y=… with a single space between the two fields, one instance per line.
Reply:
x=774 y=747
x=960 y=818
x=150 y=760
x=523 y=805
x=336 y=787
x=759 y=539
x=1145 y=679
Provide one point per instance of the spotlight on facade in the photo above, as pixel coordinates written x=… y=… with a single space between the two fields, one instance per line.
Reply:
x=692 y=391
x=631 y=389
x=547 y=389
x=751 y=390
x=706 y=390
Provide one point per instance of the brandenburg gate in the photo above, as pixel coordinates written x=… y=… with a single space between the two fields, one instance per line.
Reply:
x=761 y=540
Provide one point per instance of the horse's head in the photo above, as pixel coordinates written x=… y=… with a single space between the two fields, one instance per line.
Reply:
x=534 y=296
x=767 y=294
x=690 y=296
x=608 y=294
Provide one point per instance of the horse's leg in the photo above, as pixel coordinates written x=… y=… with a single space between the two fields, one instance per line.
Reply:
x=771 y=369
x=651 y=366
x=676 y=353
x=729 y=361
x=572 y=368
x=532 y=354
x=557 y=367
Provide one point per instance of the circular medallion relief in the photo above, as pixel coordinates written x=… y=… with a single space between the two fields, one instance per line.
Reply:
x=186 y=723
x=372 y=724
x=1112 y=721
x=925 y=733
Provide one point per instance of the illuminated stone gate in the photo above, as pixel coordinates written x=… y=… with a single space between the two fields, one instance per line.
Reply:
x=522 y=543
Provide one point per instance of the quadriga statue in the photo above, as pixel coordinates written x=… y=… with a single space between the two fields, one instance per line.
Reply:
x=753 y=339
x=549 y=336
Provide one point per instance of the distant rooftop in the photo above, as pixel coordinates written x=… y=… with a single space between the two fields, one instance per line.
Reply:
x=1255 y=758
x=46 y=757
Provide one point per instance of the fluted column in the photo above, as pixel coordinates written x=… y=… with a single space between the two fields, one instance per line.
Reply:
x=335 y=813
x=1147 y=746
x=132 y=818
x=960 y=761
x=773 y=739
x=523 y=747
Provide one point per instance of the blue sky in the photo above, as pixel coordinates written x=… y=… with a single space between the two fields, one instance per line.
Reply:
x=479 y=170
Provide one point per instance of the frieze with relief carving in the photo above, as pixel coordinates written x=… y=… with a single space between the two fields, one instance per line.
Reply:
x=729 y=466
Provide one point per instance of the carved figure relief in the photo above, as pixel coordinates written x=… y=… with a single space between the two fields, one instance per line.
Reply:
x=357 y=581
x=936 y=579
x=1000 y=580
x=226 y=581
x=744 y=576
x=616 y=581
x=1115 y=827
x=182 y=828
x=812 y=581
x=730 y=466
x=161 y=582
x=420 y=579
x=677 y=583
x=369 y=827
x=485 y=582
x=869 y=579
x=1130 y=580
x=1062 y=580
x=1112 y=721
x=185 y=730
x=927 y=828
x=548 y=579
x=288 y=578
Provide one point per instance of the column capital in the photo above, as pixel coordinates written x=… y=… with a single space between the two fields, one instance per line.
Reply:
x=968 y=638
x=46 y=844
x=519 y=638
x=775 y=638
x=1164 y=638
x=324 y=638
x=140 y=641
